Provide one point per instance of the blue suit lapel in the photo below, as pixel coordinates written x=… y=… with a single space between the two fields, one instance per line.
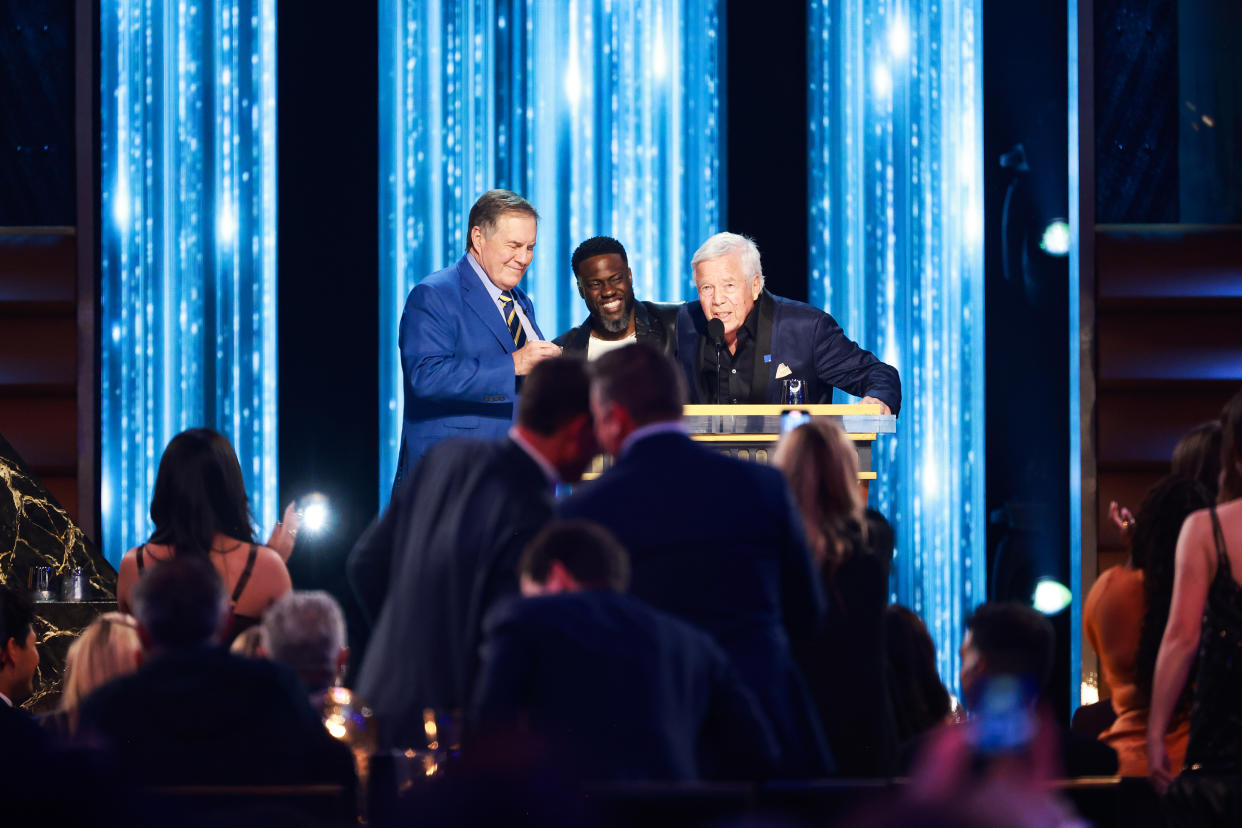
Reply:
x=479 y=301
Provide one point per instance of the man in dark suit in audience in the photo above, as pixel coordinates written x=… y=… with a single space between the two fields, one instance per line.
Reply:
x=1007 y=659
x=446 y=549
x=20 y=735
x=616 y=689
x=194 y=714
x=713 y=540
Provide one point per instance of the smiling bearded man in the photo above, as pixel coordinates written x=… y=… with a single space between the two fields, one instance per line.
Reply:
x=606 y=284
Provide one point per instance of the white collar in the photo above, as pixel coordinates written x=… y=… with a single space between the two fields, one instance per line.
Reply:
x=6 y=700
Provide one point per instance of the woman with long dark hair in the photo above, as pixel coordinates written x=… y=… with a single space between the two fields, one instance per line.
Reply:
x=200 y=507
x=844 y=665
x=919 y=699
x=1124 y=617
x=1205 y=616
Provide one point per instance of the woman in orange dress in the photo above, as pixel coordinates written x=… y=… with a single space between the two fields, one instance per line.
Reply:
x=1124 y=618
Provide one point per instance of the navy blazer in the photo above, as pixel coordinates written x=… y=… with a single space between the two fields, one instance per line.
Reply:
x=432 y=566
x=807 y=341
x=717 y=542
x=619 y=690
x=457 y=362
x=202 y=716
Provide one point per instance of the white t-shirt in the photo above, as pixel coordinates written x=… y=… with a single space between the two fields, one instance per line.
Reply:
x=598 y=347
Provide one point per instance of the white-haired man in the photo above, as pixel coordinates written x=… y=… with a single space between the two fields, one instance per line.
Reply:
x=764 y=339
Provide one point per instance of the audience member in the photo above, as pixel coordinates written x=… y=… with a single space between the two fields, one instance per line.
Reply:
x=108 y=648
x=1124 y=617
x=712 y=539
x=200 y=508
x=1006 y=661
x=821 y=465
x=1205 y=616
x=306 y=631
x=615 y=688
x=20 y=736
x=193 y=713
x=918 y=698
x=1197 y=456
x=42 y=782
x=446 y=549
x=1010 y=645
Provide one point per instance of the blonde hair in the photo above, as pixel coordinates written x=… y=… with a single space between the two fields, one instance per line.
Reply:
x=821 y=465
x=105 y=650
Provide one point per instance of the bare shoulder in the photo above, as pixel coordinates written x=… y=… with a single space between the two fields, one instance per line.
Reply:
x=130 y=559
x=269 y=559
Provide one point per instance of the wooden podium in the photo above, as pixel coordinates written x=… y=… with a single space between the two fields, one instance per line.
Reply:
x=750 y=432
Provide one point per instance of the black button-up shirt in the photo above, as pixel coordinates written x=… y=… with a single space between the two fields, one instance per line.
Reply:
x=732 y=383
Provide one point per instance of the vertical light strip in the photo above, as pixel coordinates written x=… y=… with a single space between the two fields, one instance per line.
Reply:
x=896 y=229
x=1081 y=128
x=604 y=114
x=188 y=245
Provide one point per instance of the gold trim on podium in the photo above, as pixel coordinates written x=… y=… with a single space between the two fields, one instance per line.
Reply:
x=751 y=431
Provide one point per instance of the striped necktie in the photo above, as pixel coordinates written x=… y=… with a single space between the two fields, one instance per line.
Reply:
x=511 y=317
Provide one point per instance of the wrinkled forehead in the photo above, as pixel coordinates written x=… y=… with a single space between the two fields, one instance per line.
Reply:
x=722 y=267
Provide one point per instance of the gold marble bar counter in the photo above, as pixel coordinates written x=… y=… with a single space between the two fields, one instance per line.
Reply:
x=37 y=534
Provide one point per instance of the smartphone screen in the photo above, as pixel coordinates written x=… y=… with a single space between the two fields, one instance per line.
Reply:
x=792 y=418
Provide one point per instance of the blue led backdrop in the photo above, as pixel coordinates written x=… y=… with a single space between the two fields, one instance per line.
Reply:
x=604 y=114
x=188 y=245
x=896 y=255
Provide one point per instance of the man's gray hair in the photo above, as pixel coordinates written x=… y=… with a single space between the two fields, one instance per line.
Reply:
x=491 y=206
x=727 y=244
x=306 y=630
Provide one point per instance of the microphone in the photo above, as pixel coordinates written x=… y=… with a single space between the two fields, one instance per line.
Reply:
x=715 y=332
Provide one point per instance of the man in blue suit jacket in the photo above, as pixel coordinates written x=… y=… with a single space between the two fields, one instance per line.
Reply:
x=713 y=540
x=614 y=688
x=468 y=333
x=767 y=339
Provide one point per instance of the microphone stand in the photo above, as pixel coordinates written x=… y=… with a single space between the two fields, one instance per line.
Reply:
x=715 y=329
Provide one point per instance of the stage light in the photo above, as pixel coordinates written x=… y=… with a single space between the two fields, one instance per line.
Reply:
x=898 y=38
x=1056 y=238
x=896 y=255
x=1051 y=596
x=188 y=258
x=882 y=81
x=316 y=514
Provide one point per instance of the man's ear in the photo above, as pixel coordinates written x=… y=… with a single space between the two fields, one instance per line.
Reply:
x=6 y=653
x=756 y=285
x=475 y=240
x=581 y=292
